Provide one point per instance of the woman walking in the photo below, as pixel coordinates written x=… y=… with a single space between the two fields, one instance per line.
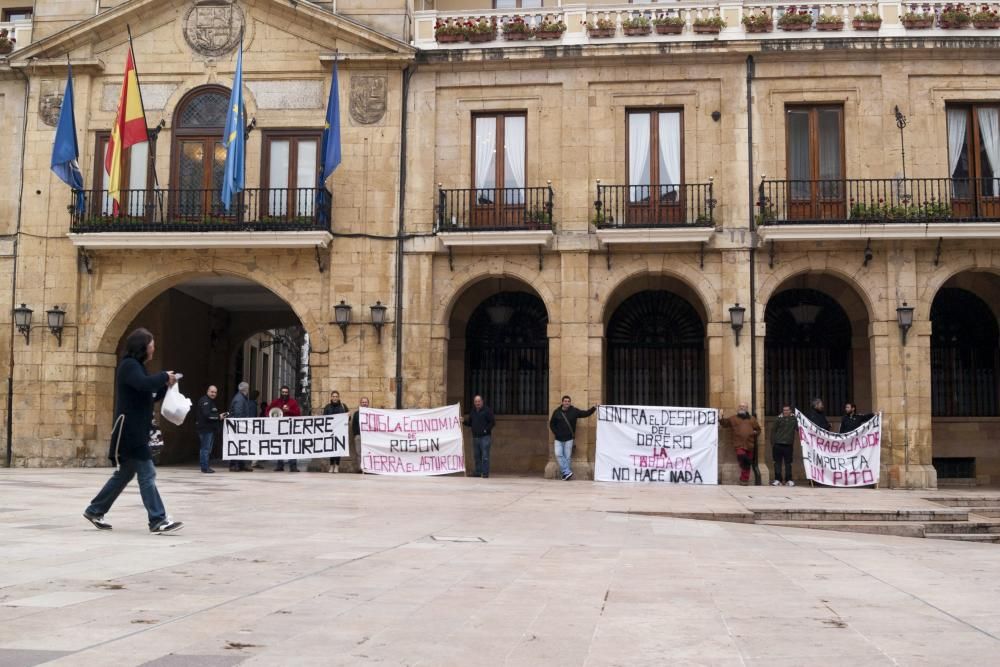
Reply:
x=137 y=391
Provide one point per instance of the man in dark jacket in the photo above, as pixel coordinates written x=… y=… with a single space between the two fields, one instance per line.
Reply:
x=481 y=421
x=335 y=407
x=563 y=427
x=356 y=433
x=129 y=450
x=782 y=441
x=815 y=414
x=241 y=407
x=851 y=419
x=207 y=420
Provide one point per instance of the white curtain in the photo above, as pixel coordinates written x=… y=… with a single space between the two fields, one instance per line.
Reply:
x=277 y=172
x=513 y=149
x=486 y=153
x=138 y=169
x=638 y=151
x=957 y=121
x=670 y=154
x=799 y=160
x=989 y=120
x=305 y=177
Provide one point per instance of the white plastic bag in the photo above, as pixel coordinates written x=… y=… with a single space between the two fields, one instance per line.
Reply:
x=175 y=405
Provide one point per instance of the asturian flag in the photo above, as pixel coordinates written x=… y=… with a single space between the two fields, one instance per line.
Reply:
x=234 y=139
x=128 y=129
x=65 y=150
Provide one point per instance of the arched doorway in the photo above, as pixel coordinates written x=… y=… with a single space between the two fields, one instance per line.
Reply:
x=655 y=352
x=220 y=330
x=198 y=157
x=965 y=380
x=816 y=346
x=498 y=347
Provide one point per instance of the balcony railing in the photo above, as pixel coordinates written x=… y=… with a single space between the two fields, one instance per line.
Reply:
x=879 y=201
x=19 y=32
x=629 y=206
x=494 y=209
x=167 y=210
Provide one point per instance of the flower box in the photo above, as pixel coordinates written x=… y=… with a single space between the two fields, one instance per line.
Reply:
x=637 y=32
x=479 y=37
x=986 y=25
x=517 y=36
x=829 y=27
x=601 y=32
x=759 y=27
x=922 y=23
x=548 y=34
x=449 y=39
x=669 y=29
x=858 y=24
x=795 y=27
x=945 y=24
x=707 y=29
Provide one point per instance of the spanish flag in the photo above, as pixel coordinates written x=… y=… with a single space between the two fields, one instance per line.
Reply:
x=129 y=129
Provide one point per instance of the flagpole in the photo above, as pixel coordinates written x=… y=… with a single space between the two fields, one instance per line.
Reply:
x=138 y=85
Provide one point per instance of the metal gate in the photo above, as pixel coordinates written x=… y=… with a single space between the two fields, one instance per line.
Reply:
x=965 y=359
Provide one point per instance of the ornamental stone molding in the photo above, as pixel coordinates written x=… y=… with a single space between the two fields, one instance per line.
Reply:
x=213 y=28
x=369 y=95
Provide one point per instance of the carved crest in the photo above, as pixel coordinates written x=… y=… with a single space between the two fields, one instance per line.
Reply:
x=50 y=103
x=213 y=27
x=368 y=98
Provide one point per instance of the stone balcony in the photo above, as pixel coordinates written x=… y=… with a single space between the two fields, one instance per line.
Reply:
x=20 y=31
x=580 y=19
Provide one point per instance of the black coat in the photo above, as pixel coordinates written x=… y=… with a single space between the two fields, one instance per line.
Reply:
x=207 y=415
x=481 y=422
x=137 y=391
x=850 y=422
x=817 y=418
x=565 y=429
x=335 y=408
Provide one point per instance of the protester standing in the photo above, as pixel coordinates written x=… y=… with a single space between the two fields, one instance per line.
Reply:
x=129 y=451
x=207 y=421
x=563 y=427
x=745 y=430
x=816 y=415
x=851 y=419
x=356 y=432
x=289 y=408
x=481 y=421
x=241 y=407
x=335 y=407
x=782 y=446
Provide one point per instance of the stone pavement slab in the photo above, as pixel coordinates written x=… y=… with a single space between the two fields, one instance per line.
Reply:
x=349 y=569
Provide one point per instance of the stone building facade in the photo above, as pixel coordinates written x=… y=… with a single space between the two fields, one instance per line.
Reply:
x=581 y=216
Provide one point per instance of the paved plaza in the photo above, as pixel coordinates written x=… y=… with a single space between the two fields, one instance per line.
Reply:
x=320 y=569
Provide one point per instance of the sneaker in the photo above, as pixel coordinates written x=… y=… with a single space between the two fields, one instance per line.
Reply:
x=336 y=467
x=166 y=526
x=98 y=521
x=789 y=483
x=775 y=483
x=568 y=476
x=208 y=471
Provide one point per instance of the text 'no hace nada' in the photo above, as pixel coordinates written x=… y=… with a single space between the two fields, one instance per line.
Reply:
x=620 y=414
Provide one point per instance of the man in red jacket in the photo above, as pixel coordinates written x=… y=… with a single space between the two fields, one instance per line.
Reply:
x=745 y=429
x=289 y=407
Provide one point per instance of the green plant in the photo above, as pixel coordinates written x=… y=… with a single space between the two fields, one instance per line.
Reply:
x=551 y=26
x=448 y=29
x=985 y=15
x=868 y=17
x=710 y=21
x=635 y=22
x=830 y=19
x=480 y=27
x=931 y=209
x=955 y=15
x=664 y=19
x=516 y=26
x=794 y=16
x=538 y=216
x=765 y=213
x=601 y=24
x=6 y=41
x=914 y=16
x=757 y=20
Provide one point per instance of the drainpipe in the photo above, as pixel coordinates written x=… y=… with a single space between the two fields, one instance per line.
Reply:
x=753 y=260
x=13 y=281
x=407 y=74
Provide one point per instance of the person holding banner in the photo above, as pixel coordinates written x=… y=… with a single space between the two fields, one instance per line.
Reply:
x=563 y=427
x=851 y=419
x=782 y=445
x=288 y=407
x=745 y=429
x=356 y=433
x=481 y=421
x=335 y=407
x=816 y=416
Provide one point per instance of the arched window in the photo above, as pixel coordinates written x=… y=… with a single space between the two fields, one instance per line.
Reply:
x=965 y=359
x=198 y=156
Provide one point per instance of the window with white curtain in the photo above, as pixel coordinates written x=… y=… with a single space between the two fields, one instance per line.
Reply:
x=135 y=177
x=498 y=158
x=291 y=168
x=654 y=156
x=974 y=149
x=815 y=150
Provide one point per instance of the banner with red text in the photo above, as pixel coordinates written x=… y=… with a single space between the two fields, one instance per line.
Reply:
x=656 y=444
x=412 y=442
x=841 y=459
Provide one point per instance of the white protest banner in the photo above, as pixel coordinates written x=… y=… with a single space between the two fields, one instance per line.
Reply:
x=657 y=444
x=412 y=442
x=270 y=438
x=841 y=459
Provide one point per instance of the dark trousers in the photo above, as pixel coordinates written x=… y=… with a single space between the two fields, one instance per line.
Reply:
x=481 y=454
x=129 y=468
x=745 y=459
x=293 y=464
x=782 y=454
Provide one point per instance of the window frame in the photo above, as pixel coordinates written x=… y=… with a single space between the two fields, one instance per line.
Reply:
x=6 y=12
x=500 y=162
x=973 y=145
x=101 y=139
x=654 y=151
x=813 y=109
x=293 y=136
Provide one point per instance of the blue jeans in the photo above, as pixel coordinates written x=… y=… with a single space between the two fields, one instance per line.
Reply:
x=481 y=454
x=564 y=454
x=205 y=450
x=102 y=502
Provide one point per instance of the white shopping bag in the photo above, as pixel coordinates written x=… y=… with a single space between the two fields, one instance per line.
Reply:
x=175 y=405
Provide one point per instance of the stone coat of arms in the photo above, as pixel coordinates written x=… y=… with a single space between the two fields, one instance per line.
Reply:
x=368 y=98
x=213 y=28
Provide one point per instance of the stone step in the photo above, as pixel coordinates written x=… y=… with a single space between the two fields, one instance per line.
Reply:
x=860 y=515
x=894 y=528
x=968 y=501
x=962 y=528
x=989 y=538
x=986 y=512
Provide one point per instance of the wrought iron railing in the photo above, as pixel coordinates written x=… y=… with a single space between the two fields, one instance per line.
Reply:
x=691 y=204
x=494 y=209
x=881 y=201
x=170 y=210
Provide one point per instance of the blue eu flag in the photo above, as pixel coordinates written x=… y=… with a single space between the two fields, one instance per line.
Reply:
x=234 y=139
x=65 y=151
x=330 y=151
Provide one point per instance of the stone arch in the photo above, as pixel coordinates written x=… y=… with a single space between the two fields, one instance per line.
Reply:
x=861 y=307
x=634 y=277
x=947 y=273
x=497 y=269
x=181 y=94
